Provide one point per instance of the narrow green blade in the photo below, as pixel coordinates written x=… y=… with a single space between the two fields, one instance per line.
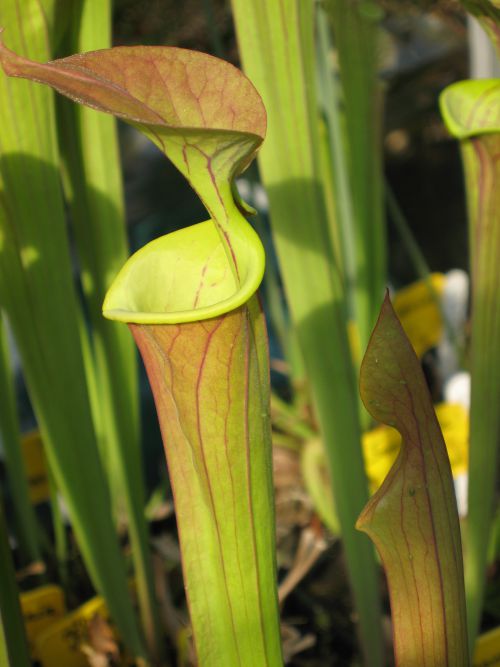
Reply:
x=15 y=645
x=26 y=526
x=37 y=293
x=276 y=45
x=89 y=146
x=355 y=31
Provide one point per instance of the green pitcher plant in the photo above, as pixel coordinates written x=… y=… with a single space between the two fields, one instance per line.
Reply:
x=190 y=301
x=471 y=110
x=412 y=518
x=277 y=43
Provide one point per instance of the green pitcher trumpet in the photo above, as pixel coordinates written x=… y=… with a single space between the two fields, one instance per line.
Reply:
x=210 y=380
x=471 y=110
x=186 y=276
x=412 y=518
x=189 y=299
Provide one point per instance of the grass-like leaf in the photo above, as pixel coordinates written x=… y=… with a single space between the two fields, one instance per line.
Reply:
x=356 y=31
x=36 y=290
x=89 y=145
x=13 y=642
x=413 y=517
x=89 y=148
x=276 y=42
x=25 y=520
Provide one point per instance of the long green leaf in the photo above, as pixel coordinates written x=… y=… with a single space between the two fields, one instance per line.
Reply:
x=37 y=293
x=276 y=45
x=471 y=110
x=26 y=525
x=11 y=619
x=355 y=31
x=88 y=144
x=413 y=517
x=4 y=655
x=90 y=149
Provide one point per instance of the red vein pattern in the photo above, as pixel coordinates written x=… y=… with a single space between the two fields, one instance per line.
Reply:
x=210 y=385
x=412 y=519
x=151 y=84
x=210 y=378
x=209 y=132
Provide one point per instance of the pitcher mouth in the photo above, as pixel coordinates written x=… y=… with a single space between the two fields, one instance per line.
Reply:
x=185 y=276
x=466 y=107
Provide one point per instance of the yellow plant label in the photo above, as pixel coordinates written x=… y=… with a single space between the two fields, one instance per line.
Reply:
x=36 y=468
x=419 y=313
x=63 y=642
x=454 y=421
x=380 y=448
x=41 y=607
x=487 y=650
x=381 y=445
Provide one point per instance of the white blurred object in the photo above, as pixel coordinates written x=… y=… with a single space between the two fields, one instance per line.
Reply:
x=483 y=61
x=244 y=188
x=461 y=483
x=455 y=297
x=254 y=194
x=457 y=389
x=454 y=301
x=260 y=198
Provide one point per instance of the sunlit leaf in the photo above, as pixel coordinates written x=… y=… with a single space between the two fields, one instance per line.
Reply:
x=470 y=108
x=38 y=296
x=412 y=518
x=277 y=47
x=201 y=111
x=25 y=520
x=89 y=146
